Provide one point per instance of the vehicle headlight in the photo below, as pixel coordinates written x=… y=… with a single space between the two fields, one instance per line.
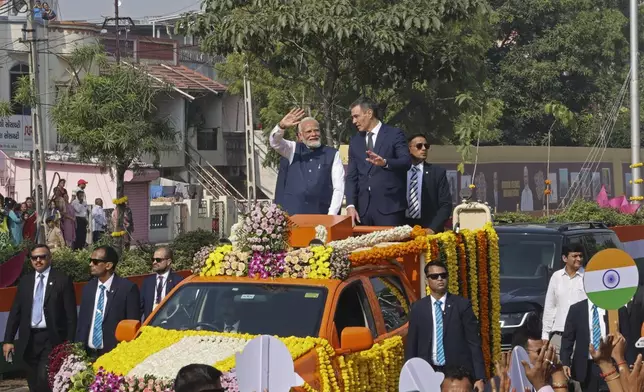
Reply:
x=513 y=320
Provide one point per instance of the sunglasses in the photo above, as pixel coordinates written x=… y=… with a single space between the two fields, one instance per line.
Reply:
x=436 y=276
x=158 y=259
x=36 y=257
x=97 y=261
x=419 y=146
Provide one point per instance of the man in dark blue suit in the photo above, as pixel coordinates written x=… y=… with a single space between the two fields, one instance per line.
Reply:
x=107 y=300
x=156 y=287
x=443 y=329
x=428 y=193
x=376 y=183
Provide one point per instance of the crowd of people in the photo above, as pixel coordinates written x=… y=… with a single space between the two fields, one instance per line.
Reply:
x=17 y=220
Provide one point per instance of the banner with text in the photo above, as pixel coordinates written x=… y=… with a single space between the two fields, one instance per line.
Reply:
x=16 y=133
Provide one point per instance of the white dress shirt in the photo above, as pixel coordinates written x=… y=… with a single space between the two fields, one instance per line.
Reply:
x=98 y=217
x=434 y=339
x=80 y=208
x=286 y=148
x=375 y=132
x=43 y=323
x=108 y=287
x=563 y=291
x=419 y=186
x=602 y=323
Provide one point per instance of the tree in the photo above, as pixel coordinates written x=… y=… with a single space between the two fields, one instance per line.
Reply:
x=327 y=53
x=111 y=116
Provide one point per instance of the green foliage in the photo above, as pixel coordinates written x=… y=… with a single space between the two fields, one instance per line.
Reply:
x=413 y=56
x=5 y=109
x=187 y=244
x=579 y=211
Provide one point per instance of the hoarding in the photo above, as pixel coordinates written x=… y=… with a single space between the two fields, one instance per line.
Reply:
x=16 y=133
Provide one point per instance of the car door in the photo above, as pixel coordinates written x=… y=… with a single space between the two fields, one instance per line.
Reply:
x=393 y=305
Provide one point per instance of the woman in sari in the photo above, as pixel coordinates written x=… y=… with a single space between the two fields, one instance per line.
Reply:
x=15 y=222
x=68 y=220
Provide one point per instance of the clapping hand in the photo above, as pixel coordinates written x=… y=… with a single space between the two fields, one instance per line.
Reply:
x=503 y=373
x=539 y=374
x=292 y=118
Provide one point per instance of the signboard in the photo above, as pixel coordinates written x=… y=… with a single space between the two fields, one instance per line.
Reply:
x=611 y=279
x=16 y=133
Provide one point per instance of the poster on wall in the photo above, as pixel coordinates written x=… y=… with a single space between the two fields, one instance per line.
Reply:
x=585 y=179
x=596 y=185
x=16 y=133
x=495 y=191
x=563 y=183
x=527 y=195
x=481 y=187
x=606 y=181
x=466 y=181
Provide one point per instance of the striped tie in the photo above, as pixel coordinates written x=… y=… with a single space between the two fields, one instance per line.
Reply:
x=414 y=206
x=97 y=339
x=597 y=332
x=39 y=299
x=438 y=316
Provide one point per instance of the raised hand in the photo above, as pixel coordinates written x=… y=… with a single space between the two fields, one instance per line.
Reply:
x=292 y=118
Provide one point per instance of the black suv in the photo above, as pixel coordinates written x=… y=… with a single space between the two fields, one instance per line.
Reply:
x=529 y=254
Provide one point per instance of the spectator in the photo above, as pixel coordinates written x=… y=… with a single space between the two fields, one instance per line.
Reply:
x=99 y=220
x=15 y=220
x=311 y=179
x=52 y=211
x=96 y=327
x=55 y=239
x=528 y=336
x=457 y=378
x=69 y=220
x=82 y=184
x=31 y=206
x=198 y=378
x=60 y=191
x=80 y=210
x=128 y=224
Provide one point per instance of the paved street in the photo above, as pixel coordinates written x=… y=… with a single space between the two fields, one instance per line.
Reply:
x=13 y=386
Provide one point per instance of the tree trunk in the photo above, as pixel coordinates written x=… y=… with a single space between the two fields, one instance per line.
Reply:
x=120 y=208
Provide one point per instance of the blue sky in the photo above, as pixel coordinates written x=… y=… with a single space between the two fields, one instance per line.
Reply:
x=95 y=10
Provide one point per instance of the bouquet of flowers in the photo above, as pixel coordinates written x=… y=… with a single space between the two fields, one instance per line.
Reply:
x=215 y=261
x=71 y=366
x=266 y=264
x=58 y=358
x=265 y=228
x=234 y=263
x=199 y=259
x=320 y=264
x=110 y=382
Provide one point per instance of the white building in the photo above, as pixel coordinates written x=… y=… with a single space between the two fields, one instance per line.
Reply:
x=209 y=122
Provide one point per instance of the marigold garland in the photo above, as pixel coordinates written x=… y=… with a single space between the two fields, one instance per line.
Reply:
x=470 y=246
x=448 y=242
x=495 y=289
x=462 y=266
x=484 y=315
x=122 y=200
x=378 y=255
x=119 y=233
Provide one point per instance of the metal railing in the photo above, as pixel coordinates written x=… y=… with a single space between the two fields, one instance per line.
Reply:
x=209 y=177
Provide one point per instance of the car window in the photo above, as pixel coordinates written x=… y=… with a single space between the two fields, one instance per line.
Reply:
x=353 y=310
x=393 y=300
x=596 y=242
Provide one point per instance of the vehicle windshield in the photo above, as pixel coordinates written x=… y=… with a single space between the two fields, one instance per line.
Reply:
x=257 y=309
x=525 y=259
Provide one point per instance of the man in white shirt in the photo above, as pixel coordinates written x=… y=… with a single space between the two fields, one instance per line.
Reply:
x=313 y=180
x=80 y=208
x=99 y=220
x=566 y=288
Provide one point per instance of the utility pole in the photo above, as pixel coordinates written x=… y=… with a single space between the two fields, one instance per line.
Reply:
x=250 y=141
x=39 y=172
x=636 y=171
x=116 y=24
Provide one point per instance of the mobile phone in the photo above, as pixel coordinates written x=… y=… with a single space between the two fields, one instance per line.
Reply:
x=10 y=357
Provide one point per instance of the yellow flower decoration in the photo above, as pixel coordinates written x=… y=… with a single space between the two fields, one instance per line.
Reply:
x=495 y=289
x=215 y=261
x=638 y=164
x=122 y=200
x=119 y=233
x=319 y=262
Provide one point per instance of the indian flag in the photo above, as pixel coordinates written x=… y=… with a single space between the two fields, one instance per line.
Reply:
x=611 y=279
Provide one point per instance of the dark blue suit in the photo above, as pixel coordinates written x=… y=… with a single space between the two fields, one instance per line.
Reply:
x=149 y=291
x=306 y=186
x=379 y=194
x=123 y=303
x=461 y=334
x=435 y=199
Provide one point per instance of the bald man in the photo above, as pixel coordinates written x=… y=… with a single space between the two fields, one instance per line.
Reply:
x=311 y=176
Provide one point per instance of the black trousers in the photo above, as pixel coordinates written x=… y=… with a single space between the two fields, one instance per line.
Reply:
x=81 y=233
x=36 y=359
x=373 y=217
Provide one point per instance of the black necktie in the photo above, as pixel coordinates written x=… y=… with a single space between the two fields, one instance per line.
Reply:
x=370 y=141
x=159 y=290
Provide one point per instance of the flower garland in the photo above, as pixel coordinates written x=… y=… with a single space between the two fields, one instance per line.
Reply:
x=122 y=200
x=119 y=233
x=350 y=244
x=377 y=255
x=495 y=289
x=396 y=293
x=484 y=315
x=470 y=247
x=462 y=266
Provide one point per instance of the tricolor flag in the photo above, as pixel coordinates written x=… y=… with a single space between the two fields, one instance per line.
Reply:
x=611 y=282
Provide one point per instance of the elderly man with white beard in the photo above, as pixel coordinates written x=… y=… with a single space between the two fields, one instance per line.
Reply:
x=313 y=180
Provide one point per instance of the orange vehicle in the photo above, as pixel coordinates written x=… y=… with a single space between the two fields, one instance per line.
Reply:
x=371 y=305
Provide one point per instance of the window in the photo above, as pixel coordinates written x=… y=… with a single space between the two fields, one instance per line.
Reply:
x=353 y=310
x=207 y=139
x=159 y=221
x=15 y=73
x=393 y=301
x=527 y=256
x=596 y=242
x=253 y=308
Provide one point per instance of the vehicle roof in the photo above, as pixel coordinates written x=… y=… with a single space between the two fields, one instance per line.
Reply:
x=554 y=228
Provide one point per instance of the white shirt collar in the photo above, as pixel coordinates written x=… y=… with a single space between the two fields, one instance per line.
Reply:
x=376 y=129
x=443 y=299
x=165 y=276
x=579 y=272
x=45 y=273
x=107 y=284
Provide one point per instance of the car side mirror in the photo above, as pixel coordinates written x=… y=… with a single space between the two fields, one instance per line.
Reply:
x=354 y=339
x=126 y=330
